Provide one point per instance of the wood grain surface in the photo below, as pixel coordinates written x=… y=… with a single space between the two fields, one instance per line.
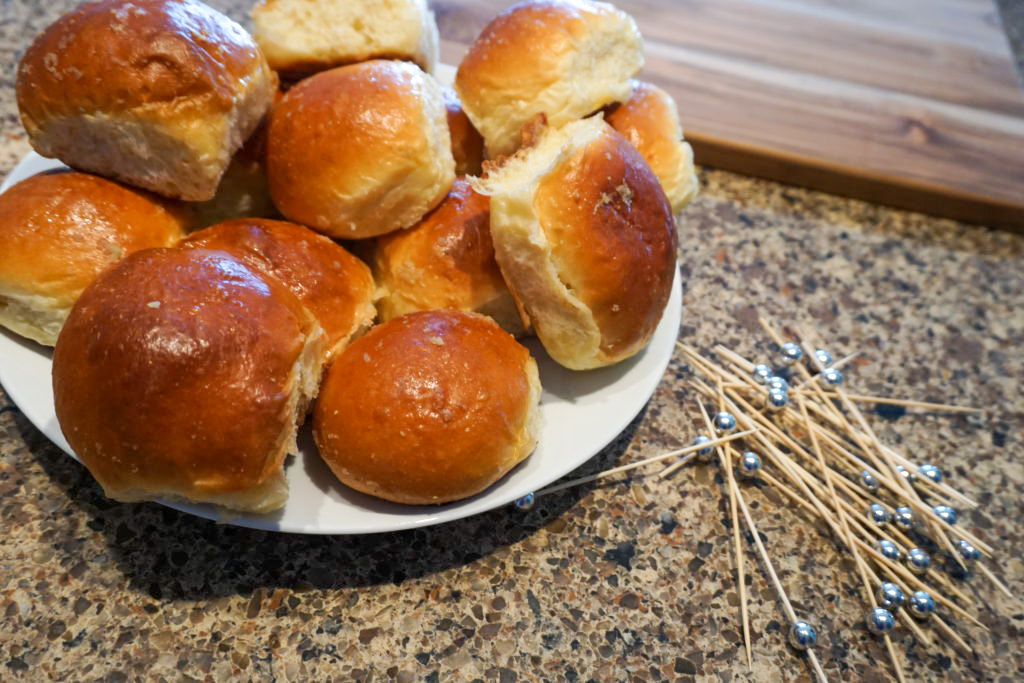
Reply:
x=913 y=103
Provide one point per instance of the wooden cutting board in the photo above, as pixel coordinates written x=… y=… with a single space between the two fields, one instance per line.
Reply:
x=912 y=103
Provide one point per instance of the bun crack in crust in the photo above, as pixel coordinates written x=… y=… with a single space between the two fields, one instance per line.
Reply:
x=302 y=37
x=182 y=374
x=428 y=408
x=584 y=236
x=156 y=93
x=563 y=58
x=333 y=284
x=445 y=261
x=60 y=230
x=360 y=150
x=650 y=120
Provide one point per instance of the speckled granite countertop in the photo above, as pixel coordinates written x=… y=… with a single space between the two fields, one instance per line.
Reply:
x=615 y=582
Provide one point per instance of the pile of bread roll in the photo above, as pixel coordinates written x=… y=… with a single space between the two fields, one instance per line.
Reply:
x=253 y=229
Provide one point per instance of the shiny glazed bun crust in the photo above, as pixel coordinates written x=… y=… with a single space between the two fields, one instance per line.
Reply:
x=334 y=285
x=300 y=37
x=360 y=150
x=428 y=408
x=563 y=58
x=585 y=238
x=180 y=374
x=650 y=120
x=445 y=261
x=58 y=231
x=156 y=93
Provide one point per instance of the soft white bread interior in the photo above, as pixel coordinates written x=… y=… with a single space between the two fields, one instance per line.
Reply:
x=205 y=370
x=155 y=93
x=585 y=238
x=563 y=58
x=59 y=231
x=302 y=37
x=650 y=120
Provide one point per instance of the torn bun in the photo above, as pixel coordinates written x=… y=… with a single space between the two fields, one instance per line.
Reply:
x=59 y=231
x=563 y=58
x=650 y=121
x=158 y=94
x=182 y=374
x=585 y=238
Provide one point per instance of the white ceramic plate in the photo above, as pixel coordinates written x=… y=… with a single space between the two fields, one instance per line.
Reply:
x=582 y=412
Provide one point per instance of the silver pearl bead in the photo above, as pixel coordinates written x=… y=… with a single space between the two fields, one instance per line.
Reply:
x=779 y=384
x=762 y=373
x=930 y=472
x=878 y=514
x=725 y=422
x=869 y=481
x=906 y=474
x=918 y=560
x=704 y=453
x=832 y=376
x=802 y=635
x=945 y=513
x=526 y=502
x=791 y=353
x=890 y=595
x=968 y=551
x=921 y=604
x=777 y=400
x=904 y=518
x=823 y=357
x=750 y=464
x=889 y=550
x=880 y=620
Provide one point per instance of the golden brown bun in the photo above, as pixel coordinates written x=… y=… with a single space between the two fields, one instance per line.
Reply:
x=334 y=285
x=302 y=37
x=585 y=239
x=467 y=144
x=650 y=121
x=445 y=261
x=58 y=231
x=563 y=58
x=428 y=408
x=360 y=150
x=156 y=93
x=180 y=374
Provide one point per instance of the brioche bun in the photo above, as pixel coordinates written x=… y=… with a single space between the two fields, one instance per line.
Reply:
x=585 y=238
x=650 y=120
x=156 y=93
x=428 y=408
x=181 y=374
x=467 y=143
x=58 y=231
x=563 y=58
x=360 y=150
x=333 y=284
x=302 y=37
x=445 y=261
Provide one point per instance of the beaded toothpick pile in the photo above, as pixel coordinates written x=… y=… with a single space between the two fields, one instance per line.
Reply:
x=805 y=437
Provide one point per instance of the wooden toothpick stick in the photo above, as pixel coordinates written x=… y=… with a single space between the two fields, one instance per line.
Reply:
x=688 y=450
